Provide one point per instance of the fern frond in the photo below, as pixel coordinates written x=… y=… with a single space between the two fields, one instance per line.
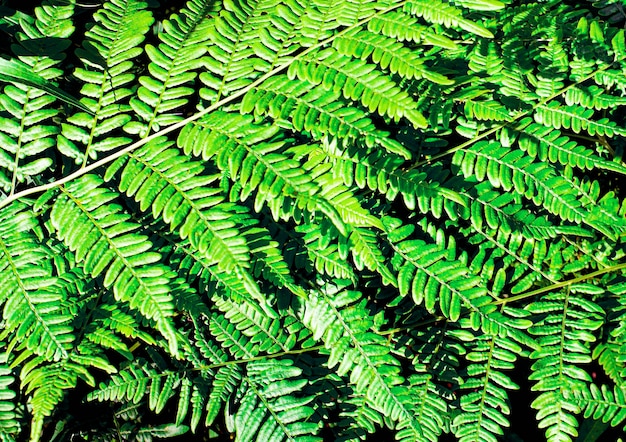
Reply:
x=396 y=24
x=311 y=219
x=319 y=21
x=600 y=205
x=29 y=133
x=317 y=111
x=9 y=425
x=257 y=165
x=548 y=144
x=592 y=97
x=485 y=404
x=275 y=177
x=176 y=190
x=384 y=173
x=226 y=381
x=335 y=316
x=601 y=403
x=269 y=262
x=102 y=238
x=194 y=267
x=357 y=80
x=611 y=351
x=572 y=117
x=324 y=257
x=270 y=404
x=426 y=272
x=486 y=59
x=32 y=297
x=388 y=53
x=231 y=63
x=611 y=358
x=357 y=419
x=118 y=320
x=481 y=5
x=173 y=66
x=611 y=78
x=107 y=55
x=278 y=33
x=48 y=385
x=564 y=330
x=431 y=409
x=341 y=198
x=536 y=181
x=445 y=14
x=366 y=253
x=488 y=110
x=434 y=278
x=231 y=339
x=509 y=263
x=135 y=382
x=353 y=11
x=266 y=333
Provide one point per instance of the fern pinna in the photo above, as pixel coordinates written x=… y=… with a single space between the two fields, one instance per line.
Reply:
x=312 y=220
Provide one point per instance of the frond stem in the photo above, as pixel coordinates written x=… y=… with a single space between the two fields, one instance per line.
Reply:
x=504 y=301
x=561 y=284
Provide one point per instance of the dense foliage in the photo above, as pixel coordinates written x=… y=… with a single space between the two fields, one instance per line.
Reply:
x=312 y=220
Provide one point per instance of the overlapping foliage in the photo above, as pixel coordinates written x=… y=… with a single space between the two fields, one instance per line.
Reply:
x=311 y=220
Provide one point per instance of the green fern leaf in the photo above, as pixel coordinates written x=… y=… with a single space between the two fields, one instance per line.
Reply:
x=231 y=339
x=366 y=253
x=101 y=236
x=175 y=189
x=319 y=20
x=316 y=111
x=485 y=405
x=601 y=403
x=269 y=409
x=445 y=14
x=32 y=297
x=481 y=5
x=537 y=181
x=325 y=258
x=388 y=54
x=270 y=263
x=48 y=385
x=107 y=55
x=335 y=316
x=9 y=425
x=592 y=97
x=224 y=385
x=28 y=134
x=431 y=278
x=267 y=334
x=357 y=80
x=172 y=68
x=564 y=316
x=431 y=409
x=404 y=27
x=137 y=381
x=384 y=173
x=231 y=63
x=547 y=144
x=20 y=73
x=486 y=111
x=574 y=118
x=118 y=320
